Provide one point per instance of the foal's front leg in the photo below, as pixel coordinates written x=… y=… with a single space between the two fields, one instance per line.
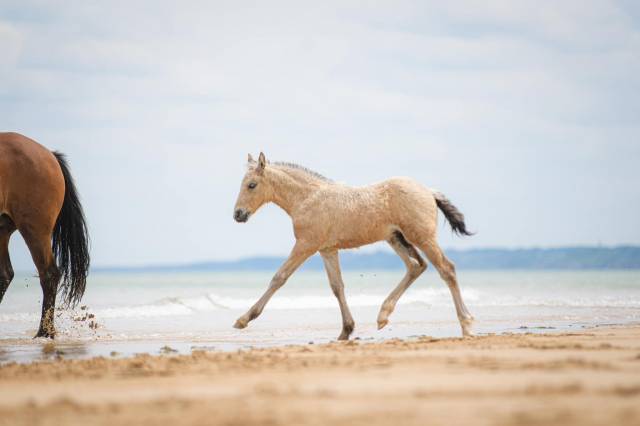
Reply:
x=332 y=265
x=301 y=252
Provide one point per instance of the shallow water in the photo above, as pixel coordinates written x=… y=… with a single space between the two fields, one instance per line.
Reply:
x=144 y=313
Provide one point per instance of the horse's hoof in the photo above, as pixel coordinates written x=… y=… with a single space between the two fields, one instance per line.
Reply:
x=240 y=324
x=382 y=323
x=343 y=336
x=46 y=334
x=466 y=325
x=466 y=330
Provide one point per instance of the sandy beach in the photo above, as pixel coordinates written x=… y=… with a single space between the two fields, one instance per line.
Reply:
x=590 y=377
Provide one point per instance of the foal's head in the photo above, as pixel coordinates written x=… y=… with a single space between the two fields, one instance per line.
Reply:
x=254 y=191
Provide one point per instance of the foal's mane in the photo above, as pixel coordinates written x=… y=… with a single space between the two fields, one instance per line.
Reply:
x=294 y=166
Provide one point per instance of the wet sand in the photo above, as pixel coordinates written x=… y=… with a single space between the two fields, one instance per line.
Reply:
x=591 y=377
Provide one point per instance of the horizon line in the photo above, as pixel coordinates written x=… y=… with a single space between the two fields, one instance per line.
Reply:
x=221 y=262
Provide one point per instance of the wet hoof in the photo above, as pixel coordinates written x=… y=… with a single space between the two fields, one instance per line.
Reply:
x=345 y=334
x=45 y=333
x=347 y=329
x=240 y=324
x=466 y=325
x=383 y=316
x=382 y=323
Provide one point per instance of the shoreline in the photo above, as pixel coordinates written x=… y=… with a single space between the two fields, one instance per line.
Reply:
x=29 y=350
x=588 y=376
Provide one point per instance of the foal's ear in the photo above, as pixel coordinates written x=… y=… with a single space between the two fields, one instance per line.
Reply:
x=250 y=159
x=262 y=162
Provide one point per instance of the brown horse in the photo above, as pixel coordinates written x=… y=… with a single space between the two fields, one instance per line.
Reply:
x=329 y=216
x=39 y=199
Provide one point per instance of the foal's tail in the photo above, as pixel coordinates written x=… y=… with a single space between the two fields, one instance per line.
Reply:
x=71 y=240
x=453 y=215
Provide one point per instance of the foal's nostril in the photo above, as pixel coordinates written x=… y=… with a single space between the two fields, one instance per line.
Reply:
x=240 y=215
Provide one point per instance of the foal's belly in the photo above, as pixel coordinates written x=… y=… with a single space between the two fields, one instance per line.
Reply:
x=349 y=218
x=353 y=234
x=350 y=243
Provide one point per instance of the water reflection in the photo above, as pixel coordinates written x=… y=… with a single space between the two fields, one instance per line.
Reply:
x=55 y=350
x=21 y=351
x=29 y=350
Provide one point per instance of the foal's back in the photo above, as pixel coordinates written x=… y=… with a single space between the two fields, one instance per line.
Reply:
x=347 y=217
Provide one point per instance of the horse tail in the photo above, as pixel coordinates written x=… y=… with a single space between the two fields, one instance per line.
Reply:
x=453 y=215
x=71 y=240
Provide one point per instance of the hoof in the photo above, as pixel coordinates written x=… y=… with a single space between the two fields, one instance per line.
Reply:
x=466 y=325
x=382 y=323
x=45 y=333
x=240 y=324
x=383 y=316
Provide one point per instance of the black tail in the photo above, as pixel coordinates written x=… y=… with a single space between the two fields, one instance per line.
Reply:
x=71 y=241
x=453 y=215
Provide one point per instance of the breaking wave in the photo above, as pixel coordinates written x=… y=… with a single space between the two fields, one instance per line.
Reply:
x=182 y=306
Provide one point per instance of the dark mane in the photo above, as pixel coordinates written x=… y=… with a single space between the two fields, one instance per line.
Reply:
x=301 y=168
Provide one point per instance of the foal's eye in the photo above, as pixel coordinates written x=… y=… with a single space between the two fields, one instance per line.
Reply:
x=252 y=185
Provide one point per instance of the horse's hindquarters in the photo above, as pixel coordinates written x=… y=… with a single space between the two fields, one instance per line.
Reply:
x=34 y=192
x=31 y=181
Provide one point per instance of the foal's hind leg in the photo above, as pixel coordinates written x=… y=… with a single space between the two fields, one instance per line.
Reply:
x=7 y=227
x=332 y=265
x=415 y=266
x=447 y=271
x=39 y=244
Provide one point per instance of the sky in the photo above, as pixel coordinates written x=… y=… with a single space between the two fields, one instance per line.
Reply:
x=525 y=115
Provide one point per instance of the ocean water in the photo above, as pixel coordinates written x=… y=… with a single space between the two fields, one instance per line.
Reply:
x=124 y=314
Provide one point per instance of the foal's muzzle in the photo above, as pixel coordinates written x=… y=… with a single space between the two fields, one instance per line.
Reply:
x=241 y=215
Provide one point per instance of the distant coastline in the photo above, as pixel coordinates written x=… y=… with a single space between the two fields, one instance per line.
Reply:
x=567 y=258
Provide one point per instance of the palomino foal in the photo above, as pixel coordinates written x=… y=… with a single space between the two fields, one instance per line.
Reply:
x=329 y=216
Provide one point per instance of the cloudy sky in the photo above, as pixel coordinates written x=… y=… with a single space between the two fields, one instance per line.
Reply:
x=525 y=115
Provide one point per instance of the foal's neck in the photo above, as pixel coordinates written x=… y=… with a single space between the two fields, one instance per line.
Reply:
x=290 y=188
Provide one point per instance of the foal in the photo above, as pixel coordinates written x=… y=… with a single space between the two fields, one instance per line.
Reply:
x=329 y=216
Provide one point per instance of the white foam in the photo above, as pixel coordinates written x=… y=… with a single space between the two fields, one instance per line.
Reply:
x=432 y=296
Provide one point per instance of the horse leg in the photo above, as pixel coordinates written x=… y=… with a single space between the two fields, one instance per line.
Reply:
x=39 y=244
x=415 y=267
x=7 y=227
x=332 y=266
x=447 y=272
x=299 y=254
